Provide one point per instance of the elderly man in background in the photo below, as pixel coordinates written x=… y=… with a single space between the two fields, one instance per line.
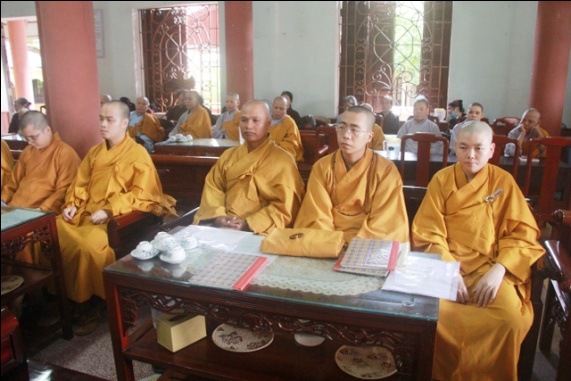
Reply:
x=284 y=131
x=529 y=128
x=144 y=127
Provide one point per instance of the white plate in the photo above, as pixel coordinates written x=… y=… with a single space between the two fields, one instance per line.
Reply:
x=366 y=363
x=10 y=283
x=241 y=340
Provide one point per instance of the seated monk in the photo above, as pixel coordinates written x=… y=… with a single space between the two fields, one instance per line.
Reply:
x=7 y=163
x=475 y=214
x=145 y=126
x=284 y=131
x=255 y=186
x=196 y=121
x=228 y=124
x=44 y=169
x=115 y=177
x=529 y=128
x=376 y=144
x=353 y=189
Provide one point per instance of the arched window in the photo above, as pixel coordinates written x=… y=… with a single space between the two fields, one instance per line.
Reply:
x=181 y=51
x=399 y=48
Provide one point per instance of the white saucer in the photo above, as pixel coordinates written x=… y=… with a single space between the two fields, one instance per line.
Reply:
x=307 y=339
x=366 y=363
x=10 y=283
x=241 y=340
x=136 y=254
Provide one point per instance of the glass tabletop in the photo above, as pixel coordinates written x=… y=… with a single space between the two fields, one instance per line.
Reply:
x=310 y=281
x=13 y=217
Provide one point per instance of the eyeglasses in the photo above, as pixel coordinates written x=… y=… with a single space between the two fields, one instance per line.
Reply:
x=33 y=138
x=341 y=130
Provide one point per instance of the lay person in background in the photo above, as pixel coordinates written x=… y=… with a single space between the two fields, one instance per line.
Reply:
x=290 y=111
x=145 y=127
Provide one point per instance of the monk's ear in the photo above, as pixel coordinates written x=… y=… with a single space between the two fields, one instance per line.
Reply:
x=492 y=149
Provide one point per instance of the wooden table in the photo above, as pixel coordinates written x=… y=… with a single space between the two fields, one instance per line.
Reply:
x=196 y=147
x=22 y=228
x=404 y=323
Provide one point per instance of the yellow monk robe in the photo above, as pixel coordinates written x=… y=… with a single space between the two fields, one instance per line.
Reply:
x=149 y=126
x=366 y=201
x=376 y=144
x=118 y=180
x=263 y=186
x=525 y=145
x=232 y=127
x=198 y=124
x=286 y=135
x=475 y=343
x=41 y=176
x=7 y=163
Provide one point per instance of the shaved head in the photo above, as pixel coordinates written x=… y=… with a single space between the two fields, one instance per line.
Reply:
x=476 y=127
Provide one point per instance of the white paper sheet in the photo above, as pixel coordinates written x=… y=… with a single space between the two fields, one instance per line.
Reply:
x=214 y=237
x=425 y=276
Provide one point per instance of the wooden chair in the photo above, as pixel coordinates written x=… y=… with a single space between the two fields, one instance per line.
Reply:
x=424 y=140
x=127 y=230
x=184 y=220
x=314 y=147
x=545 y=203
x=558 y=297
x=331 y=136
x=413 y=197
x=502 y=126
x=501 y=141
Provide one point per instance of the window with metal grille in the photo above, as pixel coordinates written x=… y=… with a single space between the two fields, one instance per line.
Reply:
x=181 y=50
x=399 y=48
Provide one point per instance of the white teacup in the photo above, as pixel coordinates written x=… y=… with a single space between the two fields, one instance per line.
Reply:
x=189 y=243
x=145 y=250
x=164 y=242
x=174 y=255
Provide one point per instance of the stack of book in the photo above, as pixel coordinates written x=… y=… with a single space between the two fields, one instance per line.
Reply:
x=371 y=257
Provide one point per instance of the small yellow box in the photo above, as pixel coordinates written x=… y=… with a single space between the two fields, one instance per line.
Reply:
x=175 y=332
